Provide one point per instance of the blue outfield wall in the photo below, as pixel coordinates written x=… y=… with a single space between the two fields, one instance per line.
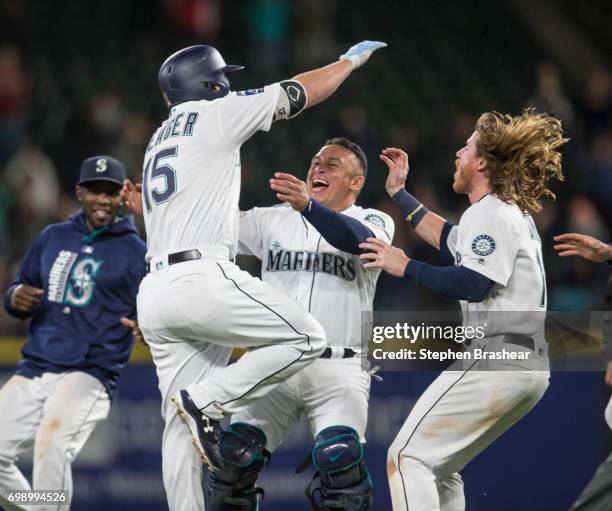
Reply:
x=539 y=465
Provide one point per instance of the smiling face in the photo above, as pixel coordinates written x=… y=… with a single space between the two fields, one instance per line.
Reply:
x=335 y=177
x=468 y=164
x=100 y=200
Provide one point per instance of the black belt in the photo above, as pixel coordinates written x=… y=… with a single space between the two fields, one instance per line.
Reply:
x=181 y=257
x=348 y=353
x=520 y=340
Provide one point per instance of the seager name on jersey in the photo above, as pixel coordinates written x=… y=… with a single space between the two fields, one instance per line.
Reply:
x=179 y=126
x=303 y=260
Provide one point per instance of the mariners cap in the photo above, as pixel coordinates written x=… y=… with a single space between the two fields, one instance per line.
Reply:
x=102 y=168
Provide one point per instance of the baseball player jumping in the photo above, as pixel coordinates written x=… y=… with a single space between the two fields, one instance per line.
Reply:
x=498 y=276
x=308 y=247
x=195 y=304
x=78 y=284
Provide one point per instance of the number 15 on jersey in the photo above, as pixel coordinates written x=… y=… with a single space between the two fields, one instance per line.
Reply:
x=155 y=190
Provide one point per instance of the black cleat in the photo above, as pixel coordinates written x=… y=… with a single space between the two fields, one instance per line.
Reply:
x=205 y=431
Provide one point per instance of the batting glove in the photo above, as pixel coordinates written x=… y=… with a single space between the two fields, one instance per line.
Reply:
x=360 y=52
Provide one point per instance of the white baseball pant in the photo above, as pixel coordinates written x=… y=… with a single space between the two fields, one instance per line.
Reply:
x=192 y=314
x=329 y=392
x=457 y=417
x=56 y=411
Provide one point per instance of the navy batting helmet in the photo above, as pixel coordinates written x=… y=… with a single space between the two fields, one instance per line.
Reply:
x=194 y=73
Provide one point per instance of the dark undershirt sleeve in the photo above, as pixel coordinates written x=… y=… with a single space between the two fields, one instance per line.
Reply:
x=455 y=282
x=340 y=231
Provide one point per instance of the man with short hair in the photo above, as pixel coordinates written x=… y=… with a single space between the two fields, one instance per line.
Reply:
x=309 y=248
x=78 y=284
x=499 y=279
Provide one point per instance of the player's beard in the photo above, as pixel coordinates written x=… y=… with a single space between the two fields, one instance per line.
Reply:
x=461 y=180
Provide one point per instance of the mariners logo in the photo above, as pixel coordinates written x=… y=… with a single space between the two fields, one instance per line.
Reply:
x=101 y=165
x=376 y=220
x=483 y=245
x=335 y=265
x=82 y=284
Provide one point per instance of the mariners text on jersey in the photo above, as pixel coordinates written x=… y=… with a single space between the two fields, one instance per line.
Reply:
x=58 y=276
x=330 y=284
x=336 y=265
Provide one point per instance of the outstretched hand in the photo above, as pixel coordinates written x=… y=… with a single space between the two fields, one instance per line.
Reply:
x=290 y=189
x=131 y=196
x=397 y=163
x=572 y=244
x=382 y=255
x=359 y=53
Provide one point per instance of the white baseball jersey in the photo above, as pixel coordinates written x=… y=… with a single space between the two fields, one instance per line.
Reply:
x=462 y=412
x=336 y=288
x=332 y=285
x=193 y=313
x=191 y=177
x=499 y=241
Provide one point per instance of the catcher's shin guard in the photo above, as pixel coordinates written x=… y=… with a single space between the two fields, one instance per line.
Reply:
x=243 y=448
x=345 y=482
x=221 y=496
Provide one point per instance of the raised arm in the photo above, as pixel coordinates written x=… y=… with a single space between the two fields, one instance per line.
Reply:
x=340 y=231
x=428 y=225
x=455 y=282
x=321 y=83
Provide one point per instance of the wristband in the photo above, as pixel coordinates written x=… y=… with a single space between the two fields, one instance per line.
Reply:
x=410 y=207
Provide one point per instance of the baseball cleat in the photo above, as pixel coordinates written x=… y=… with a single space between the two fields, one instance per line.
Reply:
x=205 y=431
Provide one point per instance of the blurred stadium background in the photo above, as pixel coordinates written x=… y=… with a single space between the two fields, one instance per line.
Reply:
x=79 y=78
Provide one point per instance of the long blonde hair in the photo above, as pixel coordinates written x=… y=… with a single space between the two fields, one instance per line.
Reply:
x=521 y=153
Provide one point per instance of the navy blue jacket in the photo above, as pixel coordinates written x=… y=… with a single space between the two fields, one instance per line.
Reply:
x=90 y=279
